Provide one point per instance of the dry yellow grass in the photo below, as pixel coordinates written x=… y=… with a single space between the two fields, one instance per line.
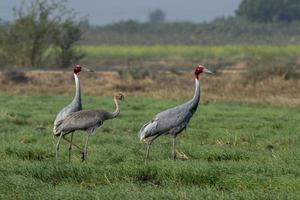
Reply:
x=218 y=88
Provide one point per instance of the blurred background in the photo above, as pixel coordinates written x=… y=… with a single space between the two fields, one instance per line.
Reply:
x=150 y=48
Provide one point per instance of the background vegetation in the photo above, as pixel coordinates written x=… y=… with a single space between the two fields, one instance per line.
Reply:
x=46 y=33
x=268 y=10
x=223 y=31
x=38 y=26
x=258 y=61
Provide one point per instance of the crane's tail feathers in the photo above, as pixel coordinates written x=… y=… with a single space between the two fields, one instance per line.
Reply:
x=147 y=130
x=57 y=128
x=55 y=131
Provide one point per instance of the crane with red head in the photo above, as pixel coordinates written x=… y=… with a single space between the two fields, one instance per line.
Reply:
x=174 y=120
x=74 y=106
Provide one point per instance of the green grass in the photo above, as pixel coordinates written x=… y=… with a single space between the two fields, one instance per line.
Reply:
x=188 y=51
x=235 y=151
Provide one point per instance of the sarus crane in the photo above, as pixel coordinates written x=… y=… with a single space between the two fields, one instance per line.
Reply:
x=85 y=120
x=74 y=106
x=174 y=120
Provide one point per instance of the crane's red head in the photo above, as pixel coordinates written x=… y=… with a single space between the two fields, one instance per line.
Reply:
x=199 y=69
x=77 y=69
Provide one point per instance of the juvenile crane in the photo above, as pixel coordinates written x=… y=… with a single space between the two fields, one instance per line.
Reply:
x=173 y=120
x=85 y=120
x=74 y=106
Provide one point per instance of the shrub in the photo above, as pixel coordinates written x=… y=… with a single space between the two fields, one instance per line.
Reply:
x=40 y=26
x=16 y=76
x=261 y=68
x=135 y=72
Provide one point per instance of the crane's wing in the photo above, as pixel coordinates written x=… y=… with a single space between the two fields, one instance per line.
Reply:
x=72 y=107
x=81 y=120
x=166 y=121
x=173 y=117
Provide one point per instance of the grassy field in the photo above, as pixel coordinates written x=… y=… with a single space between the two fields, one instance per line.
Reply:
x=185 y=55
x=236 y=151
x=188 y=51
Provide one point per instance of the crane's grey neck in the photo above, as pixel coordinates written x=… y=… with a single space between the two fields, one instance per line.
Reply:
x=195 y=100
x=116 y=112
x=77 y=97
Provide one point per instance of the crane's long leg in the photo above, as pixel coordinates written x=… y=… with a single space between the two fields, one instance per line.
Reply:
x=57 y=145
x=75 y=145
x=84 y=153
x=148 y=146
x=147 y=151
x=70 y=146
x=173 y=150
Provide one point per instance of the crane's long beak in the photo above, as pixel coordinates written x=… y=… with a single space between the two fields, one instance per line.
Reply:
x=87 y=69
x=207 y=71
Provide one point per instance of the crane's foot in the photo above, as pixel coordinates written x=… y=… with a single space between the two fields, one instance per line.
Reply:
x=181 y=155
x=83 y=155
x=144 y=141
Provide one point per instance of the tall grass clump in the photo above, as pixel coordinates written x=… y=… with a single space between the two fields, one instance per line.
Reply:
x=16 y=76
x=268 y=66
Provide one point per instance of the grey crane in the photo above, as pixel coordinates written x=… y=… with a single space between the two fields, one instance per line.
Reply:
x=74 y=106
x=173 y=120
x=85 y=120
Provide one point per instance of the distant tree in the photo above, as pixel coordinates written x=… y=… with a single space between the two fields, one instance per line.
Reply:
x=269 y=10
x=84 y=23
x=157 y=16
x=66 y=51
x=2 y=22
x=29 y=39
